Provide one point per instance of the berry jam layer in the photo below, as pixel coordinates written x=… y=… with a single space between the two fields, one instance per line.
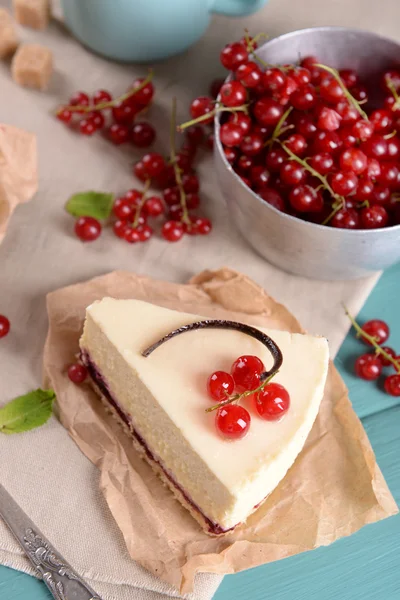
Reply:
x=102 y=386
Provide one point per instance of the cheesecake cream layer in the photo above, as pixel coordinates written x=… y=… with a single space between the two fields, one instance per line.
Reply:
x=165 y=397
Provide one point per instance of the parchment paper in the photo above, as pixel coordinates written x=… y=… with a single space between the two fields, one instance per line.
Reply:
x=18 y=171
x=334 y=488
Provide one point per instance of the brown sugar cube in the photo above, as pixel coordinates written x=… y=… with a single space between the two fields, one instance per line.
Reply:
x=32 y=66
x=8 y=37
x=32 y=13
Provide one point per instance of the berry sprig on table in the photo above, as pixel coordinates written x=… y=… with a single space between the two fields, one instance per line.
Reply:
x=271 y=400
x=117 y=117
x=306 y=140
x=179 y=182
x=370 y=366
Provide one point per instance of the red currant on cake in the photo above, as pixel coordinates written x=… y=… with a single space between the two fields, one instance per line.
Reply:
x=246 y=371
x=272 y=402
x=220 y=385
x=232 y=421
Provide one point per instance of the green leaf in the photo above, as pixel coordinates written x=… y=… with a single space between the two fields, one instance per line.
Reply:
x=90 y=204
x=27 y=412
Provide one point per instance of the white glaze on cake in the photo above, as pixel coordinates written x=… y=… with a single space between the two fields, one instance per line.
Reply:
x=165 y=396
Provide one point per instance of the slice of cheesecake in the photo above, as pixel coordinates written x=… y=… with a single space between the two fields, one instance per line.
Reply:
x=162 y=400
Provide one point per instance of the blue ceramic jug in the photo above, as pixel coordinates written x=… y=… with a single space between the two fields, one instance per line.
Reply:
x=146 y=30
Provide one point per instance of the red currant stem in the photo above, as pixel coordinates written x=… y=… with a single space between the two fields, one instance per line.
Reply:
x=364 y=204
x=111 y=103
x=372 y=341
x=178 y=178
x=395 y=95
x=307 y=167
x=218 y=109
x=250 y=42
x=239 y=397
x=388 y=136
x=350 y=98
x=139 y=207
x=278 y=128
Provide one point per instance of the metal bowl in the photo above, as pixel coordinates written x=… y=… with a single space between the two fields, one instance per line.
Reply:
x=291 y=244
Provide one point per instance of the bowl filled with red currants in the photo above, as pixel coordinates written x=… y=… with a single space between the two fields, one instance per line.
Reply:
x=307 y=149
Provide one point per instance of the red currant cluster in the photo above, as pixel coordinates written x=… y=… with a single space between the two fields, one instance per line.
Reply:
x=298 y=136
x=370 y=366
x=116 y=116
x=271 y=400
x=4 y=326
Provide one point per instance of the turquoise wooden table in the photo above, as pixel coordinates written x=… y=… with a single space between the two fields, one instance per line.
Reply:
x=365 y=566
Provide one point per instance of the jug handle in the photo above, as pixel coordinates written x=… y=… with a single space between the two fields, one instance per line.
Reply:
x=236 y=8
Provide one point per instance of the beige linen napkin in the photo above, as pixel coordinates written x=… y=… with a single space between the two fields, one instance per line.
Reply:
x=43 y=469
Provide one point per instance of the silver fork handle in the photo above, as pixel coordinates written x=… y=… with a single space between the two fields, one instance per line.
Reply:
x=62 y=580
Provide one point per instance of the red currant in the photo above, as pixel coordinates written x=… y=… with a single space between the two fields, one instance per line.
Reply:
x=220 y=385
x=354 y=160
x=393 y=148
x=233 y=94
x=190 y=183
x=349 y=77
x=87 y=229
x=120 y=227
x=202 y=106
x=368 y=366
x=4 y=326
x=153 y=206
x=142 y=134
x=389 y=175
x=234 y=55
x=171 y=195
x=374 y=217
x=119 y=134
x=322 y=163
x=246 y=371
x=365 y=190
x=381 y=196
x=192 y=201
x=292 y=173
x=305 y=125
x=273 y=198
x=382 y=120
x=64 y=115
x=344 y=182
x=363 y=130
x=101 y=96
x=144 y=96
x=359 y=92
x=389 y=79
x=275 y=159
x=231 y=134
x=272 y=402
x=232 y=421
x=346 y=218
x=87 y=126
x=252 y=144
x=377 y=329
x=267 y=111
x=304 y=198
x=132 y=235
x=249 y=74
x=375 y=147
x=242 y=120
x=326 y=141
x=124 y=113
x=203 y=225
x=172 y=231
x=385 y=362
x=330 y=90
x=328 y=119
x=195 y=135
x=79 y=99
x=297 y=144
x=260 y=177
x=144 y=232
x=373 y=169
x=273 y=79
x=392 y=385
x=97 y=118
x=301 y=75
x=304 y=98
x=153 y=164
x=123 y=208
x=230 y=154
x=77 y=373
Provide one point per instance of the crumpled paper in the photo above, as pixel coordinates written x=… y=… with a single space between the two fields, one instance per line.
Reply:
x=334 y=488
x=18 y=171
